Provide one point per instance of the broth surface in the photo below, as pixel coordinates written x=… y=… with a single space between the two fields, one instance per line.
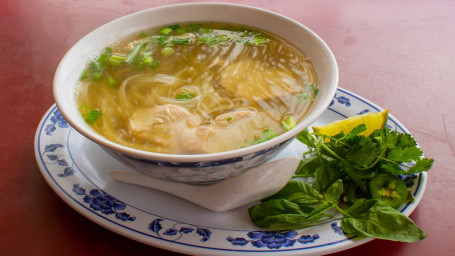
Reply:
x=194 y=89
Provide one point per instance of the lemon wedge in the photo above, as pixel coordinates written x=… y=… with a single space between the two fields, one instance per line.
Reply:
x=372 y=120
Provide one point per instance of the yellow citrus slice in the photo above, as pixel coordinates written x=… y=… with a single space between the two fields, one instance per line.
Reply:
x=372 y=120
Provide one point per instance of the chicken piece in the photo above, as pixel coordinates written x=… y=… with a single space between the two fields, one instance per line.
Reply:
x=250 y=80
x=227 y=131
x=159 y=124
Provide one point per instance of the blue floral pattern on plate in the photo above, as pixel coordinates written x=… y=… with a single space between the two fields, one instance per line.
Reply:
x=177 y=230
x=56 y=120
x=103 y=202
x=81 y=190
x=60 y=159
x=273 y=239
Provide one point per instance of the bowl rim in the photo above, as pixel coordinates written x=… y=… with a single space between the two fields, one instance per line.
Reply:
x=207 y=157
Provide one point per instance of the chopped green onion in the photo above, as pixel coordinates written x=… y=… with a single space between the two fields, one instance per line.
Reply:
x=84 y=75
x=96 y=66
x=259 y=40
x=194 y=27
x=181 y=41
x=288 y=123
x=143 y=35
x=205 y=30
x=310 y=93
x=222 y=38
x=180 y=31
x=162 y=40
x=111 y=82
x=265 y=136
x=90 y=115
x=104 y=56
x=174 y=27
x=229 y=118
x=165 y=31
x=167 y=51
x=116 y=60
x=130 y=56
x=154 y=63
x=97 y=76
x=185 y=96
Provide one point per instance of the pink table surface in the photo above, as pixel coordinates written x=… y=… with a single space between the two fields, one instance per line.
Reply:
x=398 y=54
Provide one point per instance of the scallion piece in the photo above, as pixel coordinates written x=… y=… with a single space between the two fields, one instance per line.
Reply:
x=259 y=40
x=181 y=41
x=167 y=51
x=84 y=75
x=154 y=64
x=111 y=82
x=90 y=115
x=116 y=60
x=185 y=96
x=265 y=136
x=135 y=51
x=165 y=31
x=288 y=123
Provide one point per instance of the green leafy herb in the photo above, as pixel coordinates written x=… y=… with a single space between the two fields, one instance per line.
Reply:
x=90 y=115
x=354 y=169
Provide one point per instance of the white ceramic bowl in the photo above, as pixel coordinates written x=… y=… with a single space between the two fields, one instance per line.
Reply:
x=203 y=168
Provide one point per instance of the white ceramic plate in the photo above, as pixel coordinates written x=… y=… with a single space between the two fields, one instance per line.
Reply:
x=76 y=169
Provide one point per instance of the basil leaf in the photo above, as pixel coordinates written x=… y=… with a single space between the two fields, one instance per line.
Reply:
x=308 y=166
x=334 y=192
x=298 y=192
x=374 y=218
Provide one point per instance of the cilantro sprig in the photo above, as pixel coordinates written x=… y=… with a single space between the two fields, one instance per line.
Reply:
x=349 y=162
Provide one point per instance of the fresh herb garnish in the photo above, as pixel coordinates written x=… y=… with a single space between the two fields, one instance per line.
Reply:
x=288 y=123
x=185 y=96
x=90 y=115
x=266 y=135
x=354 y=169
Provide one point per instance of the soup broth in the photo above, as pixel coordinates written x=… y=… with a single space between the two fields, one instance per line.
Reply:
x=196 y=88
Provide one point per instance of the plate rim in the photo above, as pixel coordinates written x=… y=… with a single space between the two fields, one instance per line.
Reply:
x=185 y=248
